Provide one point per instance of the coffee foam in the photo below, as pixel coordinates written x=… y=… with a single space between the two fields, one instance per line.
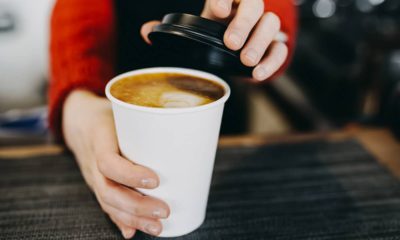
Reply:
x=164 y=90
x=181 y=99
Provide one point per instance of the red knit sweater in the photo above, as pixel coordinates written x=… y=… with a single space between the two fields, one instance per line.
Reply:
x=83 y=47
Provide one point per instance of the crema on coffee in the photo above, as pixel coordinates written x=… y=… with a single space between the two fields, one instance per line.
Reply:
x=166 y=90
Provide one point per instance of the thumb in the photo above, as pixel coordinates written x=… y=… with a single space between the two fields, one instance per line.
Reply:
x=146 y=29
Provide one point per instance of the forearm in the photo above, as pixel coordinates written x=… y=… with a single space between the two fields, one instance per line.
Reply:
x=80 y=109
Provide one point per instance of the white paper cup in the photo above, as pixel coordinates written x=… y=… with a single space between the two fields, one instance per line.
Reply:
x=179 y=144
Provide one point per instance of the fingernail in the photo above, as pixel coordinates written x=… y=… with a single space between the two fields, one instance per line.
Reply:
x=223 y=4
x=153 y=229
x=260 y=73
x=235 y=39
x=149 y=183
x=252 y=55
x=160 y=213
x=127 y=233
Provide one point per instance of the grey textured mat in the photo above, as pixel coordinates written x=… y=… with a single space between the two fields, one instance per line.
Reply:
x=314 y=190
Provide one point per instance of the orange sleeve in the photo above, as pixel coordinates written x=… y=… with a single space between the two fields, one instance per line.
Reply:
x=82 y=51
x=287 y=12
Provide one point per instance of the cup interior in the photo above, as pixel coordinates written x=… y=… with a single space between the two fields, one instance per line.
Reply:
x=185 y=71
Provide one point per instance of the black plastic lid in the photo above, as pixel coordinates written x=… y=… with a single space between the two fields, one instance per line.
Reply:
x=191 y=41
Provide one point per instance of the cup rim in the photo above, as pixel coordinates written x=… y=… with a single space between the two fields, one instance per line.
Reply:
x=187 y=71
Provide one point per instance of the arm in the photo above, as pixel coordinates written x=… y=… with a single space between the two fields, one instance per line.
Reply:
x=82 y=48
x=81 y=51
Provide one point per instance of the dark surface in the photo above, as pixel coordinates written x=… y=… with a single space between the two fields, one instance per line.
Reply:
x=314 y=190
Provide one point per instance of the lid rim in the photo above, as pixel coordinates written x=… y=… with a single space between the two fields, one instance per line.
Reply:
x=200 y=41
x=185 y=19
x=189 y=34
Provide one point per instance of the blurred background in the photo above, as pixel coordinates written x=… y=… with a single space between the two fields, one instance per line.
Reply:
x=346 y=70
x=24 y=31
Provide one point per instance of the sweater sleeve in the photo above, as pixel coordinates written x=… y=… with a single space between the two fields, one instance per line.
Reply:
x=287 y=12
x=82 y=47
x=81 y=51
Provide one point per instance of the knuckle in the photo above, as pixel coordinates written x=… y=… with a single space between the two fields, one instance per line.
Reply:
x=246 y=61
x=273 y=59
x=247 y=20
x=135 y=210
x=260 y=8
x=280 y=53
x=273 y=20
x=105 y=197
x=277 y=59
x=214 y=4
x=262 y=4
x=102 y=164
x=284 y=55
x=129 y=179
x=140 y=202
x=264 y=18
x=168 y=210
x=137 y=205
x=283 y=49
x=259 y=4
x=214 y=7
x=104 y=207
x=132 y=221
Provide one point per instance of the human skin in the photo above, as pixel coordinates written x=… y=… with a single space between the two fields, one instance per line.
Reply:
x=250 y=29
x=89 y=132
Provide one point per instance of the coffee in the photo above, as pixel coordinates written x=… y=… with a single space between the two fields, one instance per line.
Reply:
x=166 y=90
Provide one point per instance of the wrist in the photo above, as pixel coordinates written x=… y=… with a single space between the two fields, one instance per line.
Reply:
x=73 y=123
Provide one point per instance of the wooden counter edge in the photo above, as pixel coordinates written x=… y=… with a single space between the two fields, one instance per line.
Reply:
x=224 y=141
x=378 y=142
x=30 y=151
x=383 y=146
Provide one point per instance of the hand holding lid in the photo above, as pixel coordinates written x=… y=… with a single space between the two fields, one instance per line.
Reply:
x=234 y=37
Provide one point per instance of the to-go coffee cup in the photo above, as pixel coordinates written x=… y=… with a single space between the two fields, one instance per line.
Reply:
x=179 y=144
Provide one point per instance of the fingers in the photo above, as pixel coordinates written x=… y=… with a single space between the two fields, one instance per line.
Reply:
x=249 y=19
x=128 y=223
x=126 y=231
x=131 y=202
x=146 y=29
x=129 y=209
x=248 y=14
x=218 y=9
x=265 y=32
x=122 y=171
x=272 y=61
